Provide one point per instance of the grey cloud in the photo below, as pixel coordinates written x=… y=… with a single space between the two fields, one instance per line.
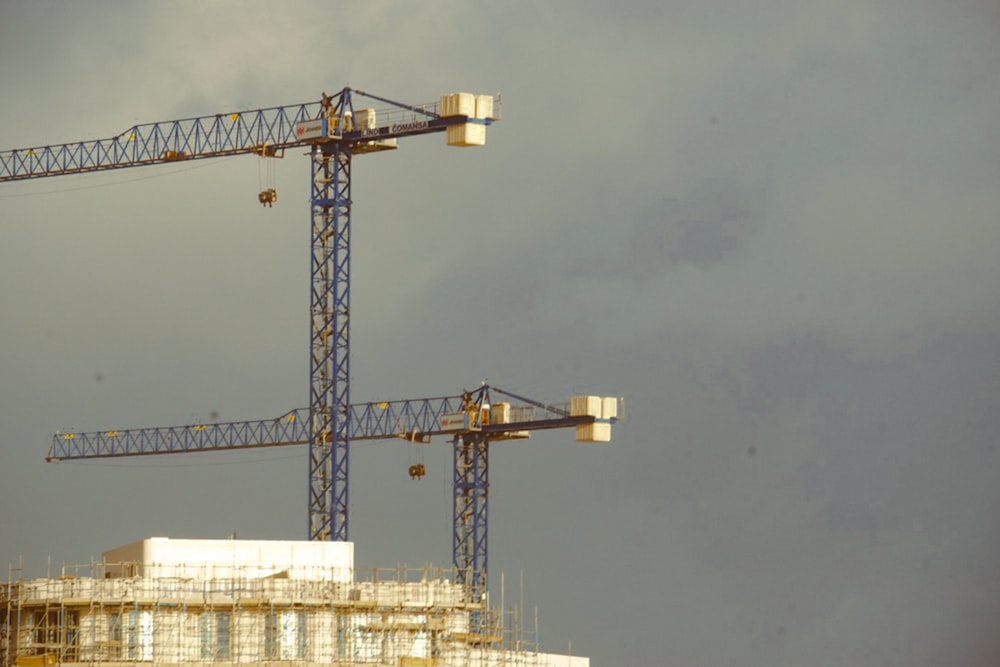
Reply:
x=770 y=228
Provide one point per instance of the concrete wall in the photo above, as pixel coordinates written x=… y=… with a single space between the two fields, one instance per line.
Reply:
x=224 y=559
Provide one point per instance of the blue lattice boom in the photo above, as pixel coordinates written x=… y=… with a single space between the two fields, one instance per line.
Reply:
x=262 y=131
x=416 y=420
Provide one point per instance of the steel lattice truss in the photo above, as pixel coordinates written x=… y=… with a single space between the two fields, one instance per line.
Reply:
x=411 y=420
x=263 y=131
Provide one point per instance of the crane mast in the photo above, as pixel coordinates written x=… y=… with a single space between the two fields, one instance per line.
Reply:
x=329 y=336
x=334 y=131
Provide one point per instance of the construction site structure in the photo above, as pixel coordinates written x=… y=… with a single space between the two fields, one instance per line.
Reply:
x=171 y=602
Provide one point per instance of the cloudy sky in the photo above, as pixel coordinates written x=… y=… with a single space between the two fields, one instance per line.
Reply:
x=772 y=229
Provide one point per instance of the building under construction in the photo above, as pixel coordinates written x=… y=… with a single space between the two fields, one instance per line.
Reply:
x=170 y=602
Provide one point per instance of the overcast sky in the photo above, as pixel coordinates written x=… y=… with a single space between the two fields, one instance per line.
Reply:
x=773 y=229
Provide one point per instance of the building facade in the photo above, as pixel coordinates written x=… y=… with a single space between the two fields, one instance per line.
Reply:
x=166 y=602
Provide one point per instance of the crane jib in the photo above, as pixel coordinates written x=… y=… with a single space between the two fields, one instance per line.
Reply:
x=264 y=132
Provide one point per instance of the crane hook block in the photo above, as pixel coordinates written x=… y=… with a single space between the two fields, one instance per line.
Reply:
x=268 y=197
x=417 y=471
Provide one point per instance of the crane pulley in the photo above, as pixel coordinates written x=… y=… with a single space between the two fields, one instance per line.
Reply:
x=268 y=197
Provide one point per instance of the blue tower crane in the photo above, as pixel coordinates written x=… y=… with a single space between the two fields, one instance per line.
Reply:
x=471 y=419
x=334 y=130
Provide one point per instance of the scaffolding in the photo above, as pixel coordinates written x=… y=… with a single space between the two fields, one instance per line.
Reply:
x=129 y=613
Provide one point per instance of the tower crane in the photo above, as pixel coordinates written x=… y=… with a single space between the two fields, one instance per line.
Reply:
x=334 y=131
x=471 y=419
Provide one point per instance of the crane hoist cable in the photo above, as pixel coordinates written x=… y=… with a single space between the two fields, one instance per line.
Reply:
x=268 y=195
